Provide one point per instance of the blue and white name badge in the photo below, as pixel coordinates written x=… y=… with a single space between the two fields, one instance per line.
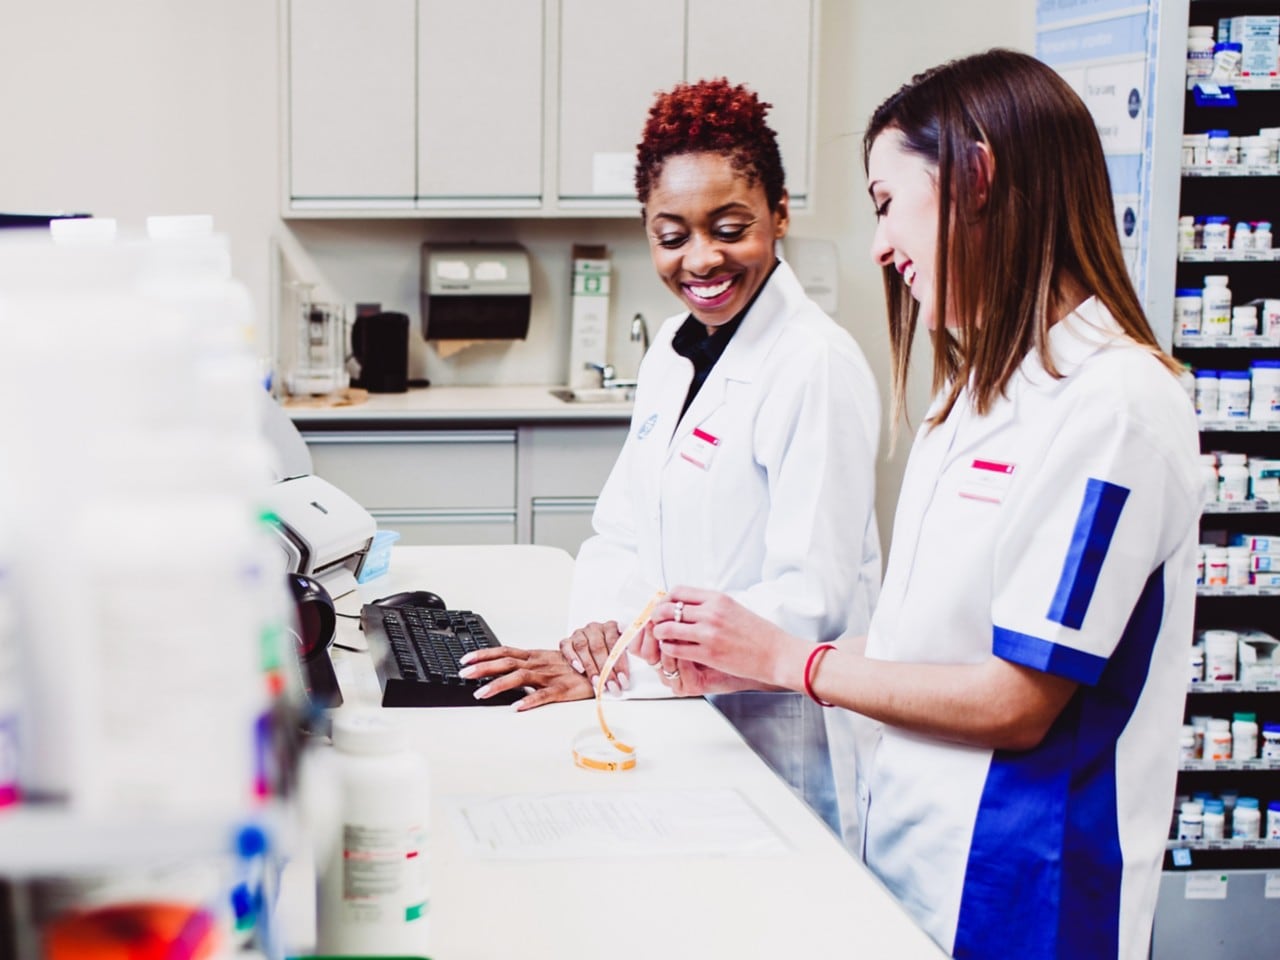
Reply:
x=699 y=448
x=986 y=480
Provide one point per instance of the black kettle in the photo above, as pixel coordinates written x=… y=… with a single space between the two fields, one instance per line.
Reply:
x=380 y=346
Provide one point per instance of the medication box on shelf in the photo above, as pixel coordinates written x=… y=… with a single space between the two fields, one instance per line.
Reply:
x=1259 y=656
x=1268 y=316
x=1255 y=543
x=1264 y=562
x=1258 y=37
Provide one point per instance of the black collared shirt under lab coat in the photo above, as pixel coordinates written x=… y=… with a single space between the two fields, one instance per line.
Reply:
x=703 y=349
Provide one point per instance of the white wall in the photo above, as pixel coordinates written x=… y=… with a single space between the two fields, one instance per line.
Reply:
x=869 y=48
x=172 y=106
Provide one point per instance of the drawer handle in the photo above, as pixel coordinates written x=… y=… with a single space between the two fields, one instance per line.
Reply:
x=507 y=437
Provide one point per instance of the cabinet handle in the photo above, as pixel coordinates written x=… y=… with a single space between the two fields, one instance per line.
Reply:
x=563 y=504
x=487 y=436
x=443 y=515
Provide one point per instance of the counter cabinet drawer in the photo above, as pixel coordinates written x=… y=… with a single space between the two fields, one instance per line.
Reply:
x=446 y=528
x=410 y=471
x=570 y=461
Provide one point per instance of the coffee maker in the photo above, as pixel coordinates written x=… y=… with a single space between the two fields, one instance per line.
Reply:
x=380 y=346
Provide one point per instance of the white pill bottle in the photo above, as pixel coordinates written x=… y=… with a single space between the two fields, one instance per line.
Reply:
x=374 y=891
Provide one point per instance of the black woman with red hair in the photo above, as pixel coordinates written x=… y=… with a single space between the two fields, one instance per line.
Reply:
x=749 y=467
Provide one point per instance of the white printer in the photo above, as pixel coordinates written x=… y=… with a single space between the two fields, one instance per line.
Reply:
x=324 y=533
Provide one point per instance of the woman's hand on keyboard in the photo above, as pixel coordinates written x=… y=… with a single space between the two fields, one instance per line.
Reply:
x=546 y=671
x=587 y=649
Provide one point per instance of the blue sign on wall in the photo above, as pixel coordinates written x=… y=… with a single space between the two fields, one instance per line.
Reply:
x=1123 y=36
x=1049 y=12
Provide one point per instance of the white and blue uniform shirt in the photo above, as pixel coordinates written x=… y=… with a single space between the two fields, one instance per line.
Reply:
x=1057 y=532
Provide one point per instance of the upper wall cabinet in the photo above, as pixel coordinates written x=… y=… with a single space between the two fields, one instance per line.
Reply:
x=403 y=105
x=616 y=54
x=412 y=108
x=480 y=75
x=352 y=102
x=768 y=46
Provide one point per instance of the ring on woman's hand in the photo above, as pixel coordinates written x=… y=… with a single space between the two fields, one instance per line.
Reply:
x=679 y=611
x=671 y=674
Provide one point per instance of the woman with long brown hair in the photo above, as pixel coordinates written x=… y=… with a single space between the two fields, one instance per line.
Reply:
x=1027 y=655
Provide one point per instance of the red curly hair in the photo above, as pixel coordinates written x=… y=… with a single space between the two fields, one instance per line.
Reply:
x=711 y=116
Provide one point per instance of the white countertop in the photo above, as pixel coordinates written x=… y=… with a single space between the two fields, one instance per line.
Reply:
x=513 y=404
x=808 y=898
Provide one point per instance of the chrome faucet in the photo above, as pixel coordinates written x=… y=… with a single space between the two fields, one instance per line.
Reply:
x=606 y=370
x=609 y=377
x=640 y=331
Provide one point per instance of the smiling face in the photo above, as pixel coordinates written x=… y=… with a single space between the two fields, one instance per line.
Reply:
x=711 y=234
x=904 y=189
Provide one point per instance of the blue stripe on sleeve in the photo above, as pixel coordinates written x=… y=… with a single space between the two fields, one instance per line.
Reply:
x=1095 y=526
x=1048 y=657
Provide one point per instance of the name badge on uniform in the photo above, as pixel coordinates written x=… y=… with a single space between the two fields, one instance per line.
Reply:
x=987 y=480
x=699 y=448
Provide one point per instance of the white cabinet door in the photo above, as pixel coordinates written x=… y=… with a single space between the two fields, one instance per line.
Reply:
x=480 y=120
x=562 y=469
x=614 y=56
x=351 y=92
x=562 y=523
x=767 y=46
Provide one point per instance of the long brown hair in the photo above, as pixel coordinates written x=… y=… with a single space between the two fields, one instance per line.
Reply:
x=1047 y=223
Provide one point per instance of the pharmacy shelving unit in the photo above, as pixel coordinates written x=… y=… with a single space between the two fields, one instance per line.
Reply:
x=1222 y=897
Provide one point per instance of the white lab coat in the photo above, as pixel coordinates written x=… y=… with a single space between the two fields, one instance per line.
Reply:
x=775 y=509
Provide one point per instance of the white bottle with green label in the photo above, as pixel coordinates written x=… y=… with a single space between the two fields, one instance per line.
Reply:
x=374 y=889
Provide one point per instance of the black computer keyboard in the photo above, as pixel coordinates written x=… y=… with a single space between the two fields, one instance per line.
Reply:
x=415 y=651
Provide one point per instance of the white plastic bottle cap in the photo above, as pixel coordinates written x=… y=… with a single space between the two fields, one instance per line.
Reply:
x=169 y=227
x=83 y=230
x=367 y=732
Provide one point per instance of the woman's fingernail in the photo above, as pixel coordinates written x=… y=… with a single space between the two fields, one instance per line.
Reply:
x=482 y=692
x=595 y=680
x=467 y=672
x=577 y=665
x=625 y=681
x=613 y=686
x=466 y=657
x=518 y=706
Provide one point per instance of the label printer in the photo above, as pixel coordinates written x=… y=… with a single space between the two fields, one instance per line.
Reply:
x=324 y=533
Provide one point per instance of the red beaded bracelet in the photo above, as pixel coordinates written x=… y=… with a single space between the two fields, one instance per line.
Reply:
x=808 y=669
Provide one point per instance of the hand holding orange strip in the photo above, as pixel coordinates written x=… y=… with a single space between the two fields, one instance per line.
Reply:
x=594 y=763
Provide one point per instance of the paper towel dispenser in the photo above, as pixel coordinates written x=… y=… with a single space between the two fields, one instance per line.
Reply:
x=475 y=292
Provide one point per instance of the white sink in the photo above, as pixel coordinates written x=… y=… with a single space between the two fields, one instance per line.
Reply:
x=594 y=394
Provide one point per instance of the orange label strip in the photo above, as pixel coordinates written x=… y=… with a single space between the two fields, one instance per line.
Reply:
x=618 y=649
